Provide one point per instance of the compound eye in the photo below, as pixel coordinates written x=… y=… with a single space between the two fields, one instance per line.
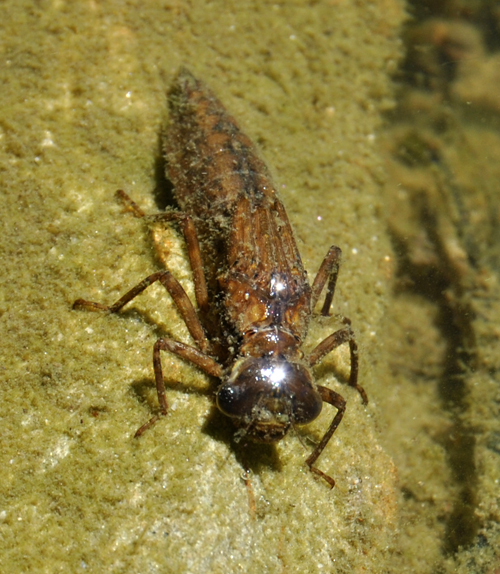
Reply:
x=307 y=402
x=238 y=396
x=262 y=387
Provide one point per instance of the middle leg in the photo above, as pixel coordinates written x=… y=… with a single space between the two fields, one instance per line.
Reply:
x=176 y=291
x=344 y=335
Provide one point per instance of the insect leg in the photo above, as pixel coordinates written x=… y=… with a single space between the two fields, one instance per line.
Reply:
x=336 y=400
x=194 y=253
x=129 y=203
x=190 y=237
x=175 y=290
x=344 y=335
x=187 y=353
x=329 y=269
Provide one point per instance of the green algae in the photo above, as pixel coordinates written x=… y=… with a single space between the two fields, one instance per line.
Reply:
x=82 y=109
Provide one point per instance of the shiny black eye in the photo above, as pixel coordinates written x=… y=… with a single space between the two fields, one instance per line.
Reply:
x=261 y=388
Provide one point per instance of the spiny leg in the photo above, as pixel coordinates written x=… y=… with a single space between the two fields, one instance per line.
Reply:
x=344 y=335
x=186 y=352
x=337 y=401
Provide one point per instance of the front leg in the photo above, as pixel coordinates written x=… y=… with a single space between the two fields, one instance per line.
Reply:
x=186 y=352
x=336 y=400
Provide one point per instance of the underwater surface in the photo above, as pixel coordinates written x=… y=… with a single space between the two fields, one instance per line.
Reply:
x=380 y=124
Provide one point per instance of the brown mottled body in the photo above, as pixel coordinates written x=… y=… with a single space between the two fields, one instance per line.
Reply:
x=254 y=300
x=226 y=188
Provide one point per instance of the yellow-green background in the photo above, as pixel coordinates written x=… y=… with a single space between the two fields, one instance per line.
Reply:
x=82 y=107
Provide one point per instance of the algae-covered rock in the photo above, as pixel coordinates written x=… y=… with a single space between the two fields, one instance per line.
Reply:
x=83 y=105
